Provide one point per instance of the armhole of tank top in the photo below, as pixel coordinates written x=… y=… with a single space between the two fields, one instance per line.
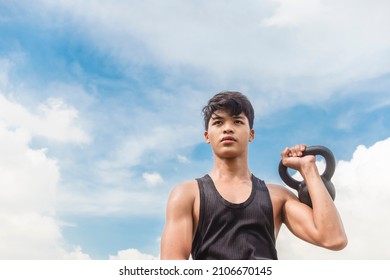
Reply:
x=262 y=184
x=201 y=214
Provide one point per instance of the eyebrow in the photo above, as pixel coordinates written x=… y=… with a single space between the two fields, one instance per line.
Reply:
x=215 y=116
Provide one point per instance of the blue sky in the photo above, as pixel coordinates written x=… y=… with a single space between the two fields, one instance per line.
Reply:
x=100 y=114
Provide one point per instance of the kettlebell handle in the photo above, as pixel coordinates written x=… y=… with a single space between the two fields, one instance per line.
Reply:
x=311 y=150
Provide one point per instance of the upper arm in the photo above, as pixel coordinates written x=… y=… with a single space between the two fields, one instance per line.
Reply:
x=295 y=215
x=298 y=217
x=321 y=226
x=176 y=240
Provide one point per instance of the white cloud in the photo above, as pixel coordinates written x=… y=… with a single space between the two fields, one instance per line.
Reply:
x=362 y=195
x=303 y=49
x=29 y=179
x=183 y=159
x=33 y=235
x=53 y=120
x=75 y=254
x=291 y=12
x=152 y=179
x=4 y=68
x=132 y=254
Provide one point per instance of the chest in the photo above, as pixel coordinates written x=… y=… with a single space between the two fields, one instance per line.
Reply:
x=234 y=192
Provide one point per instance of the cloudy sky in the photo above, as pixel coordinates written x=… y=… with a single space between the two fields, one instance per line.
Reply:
x=100 y=114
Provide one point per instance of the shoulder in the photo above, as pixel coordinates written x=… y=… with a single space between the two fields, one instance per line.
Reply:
x=278 y=189
x=184 y=192
x=280 y=194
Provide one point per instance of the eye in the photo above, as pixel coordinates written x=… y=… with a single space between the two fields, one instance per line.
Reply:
x=238 y=122
x=216 y=122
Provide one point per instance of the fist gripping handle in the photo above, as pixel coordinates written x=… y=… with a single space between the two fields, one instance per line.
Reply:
x=300 y=186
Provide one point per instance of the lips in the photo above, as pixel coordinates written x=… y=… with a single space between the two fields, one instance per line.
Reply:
x=228 y=139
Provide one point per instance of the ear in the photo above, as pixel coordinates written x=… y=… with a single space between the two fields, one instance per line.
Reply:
x=206 y=137
x=251 y=135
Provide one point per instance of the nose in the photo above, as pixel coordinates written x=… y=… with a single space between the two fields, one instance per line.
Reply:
x=228 y=128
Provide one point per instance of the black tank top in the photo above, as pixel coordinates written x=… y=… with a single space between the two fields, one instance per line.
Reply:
x=243 y=231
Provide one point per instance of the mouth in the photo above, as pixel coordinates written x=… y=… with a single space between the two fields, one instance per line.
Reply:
x=228 y=139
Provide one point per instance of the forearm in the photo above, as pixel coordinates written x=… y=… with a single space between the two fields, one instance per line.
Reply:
x=326 y=219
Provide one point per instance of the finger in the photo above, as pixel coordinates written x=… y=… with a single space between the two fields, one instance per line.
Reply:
x=300 y=149
x=285 y=152
x=296 y=151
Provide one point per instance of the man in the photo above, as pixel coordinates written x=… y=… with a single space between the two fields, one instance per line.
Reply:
x=231 y=214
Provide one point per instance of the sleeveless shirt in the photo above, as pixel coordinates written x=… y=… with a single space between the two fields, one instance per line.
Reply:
x=227 y=230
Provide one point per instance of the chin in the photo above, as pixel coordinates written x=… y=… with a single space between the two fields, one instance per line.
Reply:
x=228 y=154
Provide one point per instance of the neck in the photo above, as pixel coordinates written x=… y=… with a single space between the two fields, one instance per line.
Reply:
x=230 y=168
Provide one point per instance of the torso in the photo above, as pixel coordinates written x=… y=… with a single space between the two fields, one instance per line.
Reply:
x=277 y=193
x=248 y=204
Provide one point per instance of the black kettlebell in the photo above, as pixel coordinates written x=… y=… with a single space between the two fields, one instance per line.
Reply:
x=300 y=186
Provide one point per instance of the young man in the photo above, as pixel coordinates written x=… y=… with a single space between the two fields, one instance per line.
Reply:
x=231 y=214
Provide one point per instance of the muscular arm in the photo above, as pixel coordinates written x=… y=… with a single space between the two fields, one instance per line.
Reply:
x=177 y=236
x=320 y=225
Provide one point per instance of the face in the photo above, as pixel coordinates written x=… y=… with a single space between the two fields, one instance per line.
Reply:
x=229 y=135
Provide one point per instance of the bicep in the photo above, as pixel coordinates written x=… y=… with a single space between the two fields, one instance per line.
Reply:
x=176 y=240
x=298 y=218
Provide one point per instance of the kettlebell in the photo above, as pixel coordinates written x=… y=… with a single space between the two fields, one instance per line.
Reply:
x=300 y=186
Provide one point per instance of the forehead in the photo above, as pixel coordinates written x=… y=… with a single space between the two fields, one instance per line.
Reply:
x=218 y=114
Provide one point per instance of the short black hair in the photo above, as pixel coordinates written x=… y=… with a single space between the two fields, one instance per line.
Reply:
x=233 y=102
